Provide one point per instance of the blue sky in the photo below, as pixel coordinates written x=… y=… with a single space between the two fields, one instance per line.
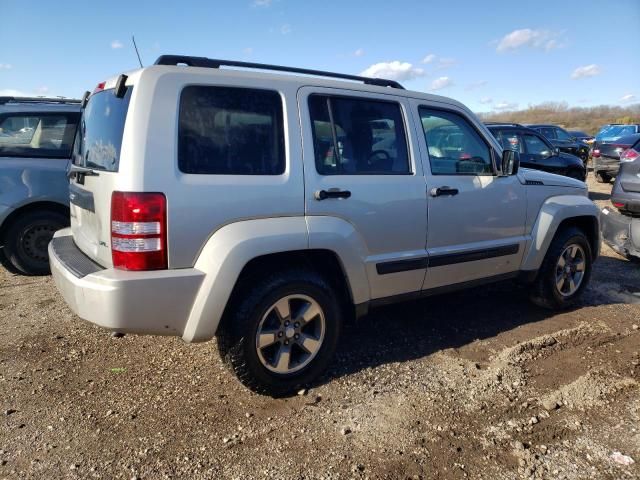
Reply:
x=491 y=55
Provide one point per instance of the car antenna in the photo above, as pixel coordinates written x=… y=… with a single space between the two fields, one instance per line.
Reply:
x=133 y=39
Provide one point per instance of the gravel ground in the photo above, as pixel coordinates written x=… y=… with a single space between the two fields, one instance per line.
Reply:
x=428 y=389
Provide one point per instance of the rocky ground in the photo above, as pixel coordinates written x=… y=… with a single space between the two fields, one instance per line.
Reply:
x=477 y=384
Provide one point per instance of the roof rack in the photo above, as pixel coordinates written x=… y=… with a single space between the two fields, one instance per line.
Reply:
x=215 y=63
x=4 y=100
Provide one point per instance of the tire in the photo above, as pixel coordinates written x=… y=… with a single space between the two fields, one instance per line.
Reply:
x=602 y=177
x=252 y=310
x=26 y=240
x=545 y=290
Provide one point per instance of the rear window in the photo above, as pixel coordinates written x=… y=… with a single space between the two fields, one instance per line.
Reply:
x=230 y=131
x=101 y=129
x=40 y=135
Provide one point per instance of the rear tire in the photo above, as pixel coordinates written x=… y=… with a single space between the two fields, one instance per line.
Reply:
x=559 y=284
x=602 y=177
x=277 y=363
x=27 y=238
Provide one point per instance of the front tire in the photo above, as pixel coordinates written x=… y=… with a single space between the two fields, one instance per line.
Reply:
x=27 y=238
x=565 y=270
x=280 y=333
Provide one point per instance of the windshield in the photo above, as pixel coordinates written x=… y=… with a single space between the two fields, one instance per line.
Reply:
x=101 y=129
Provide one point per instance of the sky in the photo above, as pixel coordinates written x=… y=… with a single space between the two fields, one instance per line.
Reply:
x=490 y=55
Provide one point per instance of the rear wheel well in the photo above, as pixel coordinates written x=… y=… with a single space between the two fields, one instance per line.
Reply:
x=324 y=262
x=32 y=207
x=589 y=226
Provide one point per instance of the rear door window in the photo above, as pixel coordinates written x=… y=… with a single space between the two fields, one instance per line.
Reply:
x=230 y=131
x=37 y=135
x=101 y=130
x=358 y=136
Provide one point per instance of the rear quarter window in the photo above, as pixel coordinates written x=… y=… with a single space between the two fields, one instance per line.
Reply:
x=230 y=131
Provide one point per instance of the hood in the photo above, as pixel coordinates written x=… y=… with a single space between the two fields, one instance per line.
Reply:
x=571 y=159
x=538 y=177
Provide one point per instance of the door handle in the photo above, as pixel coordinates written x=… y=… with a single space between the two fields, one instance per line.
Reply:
x=331 y=193
x=444 y=190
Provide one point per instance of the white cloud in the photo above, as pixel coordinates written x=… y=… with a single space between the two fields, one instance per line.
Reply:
x=394 y=70
x=429 y=58
x=359 y=52
x=440 y=83
x=116 y=44
x=586 y=71
x=629 y=97
x=528 y=37
x=476 y=85
x=446 y=63
x=5 y=66
x=261 y=3
x=505 y=106
x=10 y=92
x=486 y=100
x=285 y=29
x=247 y=51
x=42 y=90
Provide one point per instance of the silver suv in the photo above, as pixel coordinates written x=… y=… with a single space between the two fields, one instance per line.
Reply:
x=36 y=138
x=265 y=209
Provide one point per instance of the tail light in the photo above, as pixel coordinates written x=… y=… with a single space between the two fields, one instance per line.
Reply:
x=595 y=153
x=139 y=231
x=618 y=205
x=629 y=155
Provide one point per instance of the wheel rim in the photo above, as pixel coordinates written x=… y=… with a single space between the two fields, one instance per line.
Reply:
x=35 y=240
x=290 y=334
x=570 y=270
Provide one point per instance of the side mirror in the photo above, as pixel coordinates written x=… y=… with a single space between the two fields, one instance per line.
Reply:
x=510 y=162
x=556 y=151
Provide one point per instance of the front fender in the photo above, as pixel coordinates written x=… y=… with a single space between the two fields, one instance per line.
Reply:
x=552 y=213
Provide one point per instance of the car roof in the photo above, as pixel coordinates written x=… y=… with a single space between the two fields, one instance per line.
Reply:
x=39 y=104
x=509 y=126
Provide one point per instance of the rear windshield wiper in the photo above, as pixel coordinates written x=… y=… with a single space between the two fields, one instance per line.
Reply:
x=77 y=169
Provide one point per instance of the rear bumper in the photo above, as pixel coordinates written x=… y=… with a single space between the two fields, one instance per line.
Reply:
x=155 y=302
x=620 y=232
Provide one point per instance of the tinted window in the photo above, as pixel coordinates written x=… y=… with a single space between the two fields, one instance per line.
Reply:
x=358 y=136
x=535 y=145
x=548 y=132
x=454 y=145
x=562 y=135
x=509 y=139
x=101 y=129
x=230 y=131
x=37 y=135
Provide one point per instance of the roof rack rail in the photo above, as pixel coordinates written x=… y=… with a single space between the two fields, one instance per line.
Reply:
x=215 y=63
x=504 y=123
x=4 y=100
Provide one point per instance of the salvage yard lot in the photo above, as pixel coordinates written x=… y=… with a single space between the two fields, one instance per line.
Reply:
x=477 y=384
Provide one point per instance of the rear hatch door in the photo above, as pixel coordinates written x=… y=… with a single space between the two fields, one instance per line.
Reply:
x=97 y=150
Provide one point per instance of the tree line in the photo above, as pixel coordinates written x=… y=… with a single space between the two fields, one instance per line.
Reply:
x=586 y=119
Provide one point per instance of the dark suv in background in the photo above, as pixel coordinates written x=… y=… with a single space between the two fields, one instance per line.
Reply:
x=562 y=139
x=536 y=151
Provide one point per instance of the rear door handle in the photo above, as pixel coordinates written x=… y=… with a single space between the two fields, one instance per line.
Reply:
x=444 y=190
x=332 y=193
